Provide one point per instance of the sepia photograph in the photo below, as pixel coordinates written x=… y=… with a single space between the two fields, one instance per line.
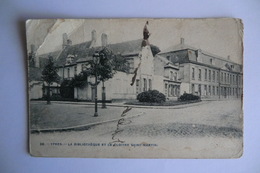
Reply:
x=135 y=88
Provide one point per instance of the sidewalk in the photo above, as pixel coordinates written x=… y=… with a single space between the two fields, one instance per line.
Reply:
x=67 y=116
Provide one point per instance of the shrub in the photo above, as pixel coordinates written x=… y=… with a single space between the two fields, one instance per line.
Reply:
x=186 y=96
x=152 y=96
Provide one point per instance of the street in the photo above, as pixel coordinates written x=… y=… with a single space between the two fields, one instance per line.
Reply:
x=211 y=127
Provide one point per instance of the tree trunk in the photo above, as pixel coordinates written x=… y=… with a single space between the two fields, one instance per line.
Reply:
x=48 y=95
x=103 y=96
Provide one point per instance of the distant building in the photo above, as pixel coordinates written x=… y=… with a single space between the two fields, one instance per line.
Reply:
x=205 y=74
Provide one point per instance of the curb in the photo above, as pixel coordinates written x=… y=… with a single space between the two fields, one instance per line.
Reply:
x=138 y=106
x=80 y=127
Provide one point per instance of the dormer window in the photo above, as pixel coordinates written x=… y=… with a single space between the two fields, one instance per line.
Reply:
x=211 y=61
x=69 y=59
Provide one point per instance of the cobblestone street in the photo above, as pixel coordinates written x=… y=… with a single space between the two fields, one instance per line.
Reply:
x=214 y=126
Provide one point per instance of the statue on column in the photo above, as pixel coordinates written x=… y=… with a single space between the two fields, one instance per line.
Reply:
x=146 y=35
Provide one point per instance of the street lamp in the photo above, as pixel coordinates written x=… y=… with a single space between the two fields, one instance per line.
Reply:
x=96 y=59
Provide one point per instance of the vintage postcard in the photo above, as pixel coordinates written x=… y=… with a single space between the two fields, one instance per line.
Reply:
x=135 y=88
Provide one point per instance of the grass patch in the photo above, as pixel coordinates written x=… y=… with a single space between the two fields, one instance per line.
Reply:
x=167 y=103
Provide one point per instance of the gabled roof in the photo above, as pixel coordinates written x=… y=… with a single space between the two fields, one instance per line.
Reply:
x=82 y=52
x=78 y=50
x=53 y=54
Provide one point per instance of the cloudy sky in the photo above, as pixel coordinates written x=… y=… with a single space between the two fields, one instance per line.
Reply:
x=222 y=37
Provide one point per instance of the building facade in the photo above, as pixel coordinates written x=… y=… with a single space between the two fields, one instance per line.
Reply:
x=205 y=74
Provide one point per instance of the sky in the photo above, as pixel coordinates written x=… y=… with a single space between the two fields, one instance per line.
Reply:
x=222 y=37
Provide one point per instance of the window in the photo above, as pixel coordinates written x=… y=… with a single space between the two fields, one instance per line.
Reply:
x=175 y=76
x=68 y=72
x=213 y=90
x=217 y=91
x=199 y=74
x=75 y=70
x=221 y=79
x=205 y=89
x=166 y=90
x=171 y=75
x=199 y=89
x=193 y=73
x=150 y=84
x=217 y=77
x=209 y=90
x=171 y=87
x=206 y=74
x=145 y=85
x=83 y=67
x=209 y=75
x=225 y=77
x=213 y=76
x=211 y=61
x=137 y=85
x=192 y=88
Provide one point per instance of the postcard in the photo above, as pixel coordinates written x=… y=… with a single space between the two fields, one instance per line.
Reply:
x=135 y=88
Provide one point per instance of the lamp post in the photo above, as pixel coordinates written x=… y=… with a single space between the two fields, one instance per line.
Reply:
x=96 y=61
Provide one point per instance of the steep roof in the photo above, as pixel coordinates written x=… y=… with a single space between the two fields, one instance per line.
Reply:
x=126 y=48
x=82 y=52
x=78 y=50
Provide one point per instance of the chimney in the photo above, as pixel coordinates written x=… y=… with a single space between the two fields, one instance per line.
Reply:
x=32 y=48
x=104 y=40
x=64 y=40
x=69 y=42
x=93 y=38
x=182 y=40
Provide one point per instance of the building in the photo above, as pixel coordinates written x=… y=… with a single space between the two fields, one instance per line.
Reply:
x=204 y=74
x=174 y=71
x=154 y=72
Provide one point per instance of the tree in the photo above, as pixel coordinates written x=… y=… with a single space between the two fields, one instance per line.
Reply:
x=49 y=75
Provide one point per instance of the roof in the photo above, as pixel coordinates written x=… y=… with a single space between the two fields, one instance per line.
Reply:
x=185 y=57
x=82 y=52
x=54 y=54
x=177 y=47
x=127 y=47
x=79 y=50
